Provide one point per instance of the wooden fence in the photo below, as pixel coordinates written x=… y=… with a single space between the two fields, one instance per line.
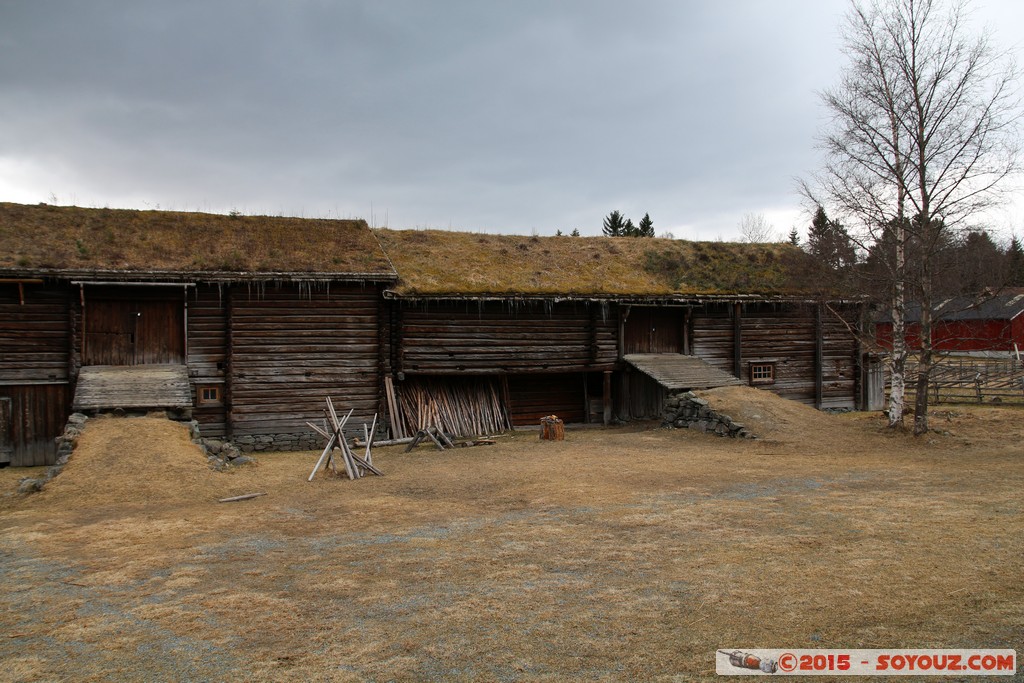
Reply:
x=959 y=379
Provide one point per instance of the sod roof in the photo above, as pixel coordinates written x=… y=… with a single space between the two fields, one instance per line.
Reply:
x=68 y=239
x=442 y=263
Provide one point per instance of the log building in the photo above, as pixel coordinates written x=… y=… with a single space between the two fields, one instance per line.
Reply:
x=246 y=323
x=255 y=318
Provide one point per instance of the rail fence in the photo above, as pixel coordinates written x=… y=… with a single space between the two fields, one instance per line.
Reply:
x=961 y=379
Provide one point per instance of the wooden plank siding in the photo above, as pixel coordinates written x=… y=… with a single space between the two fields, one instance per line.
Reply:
x=290 y=348
x=36 y=415
x=533 y=396
x=638 y=397
x=495 y=338
x=207 y=354
x=784 y=334
x=35 y=343
x=713 y=335
x=841 y=383
x=35 y=337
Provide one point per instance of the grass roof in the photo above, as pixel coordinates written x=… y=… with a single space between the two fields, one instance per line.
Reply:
x=74 y=239
x=439 y=263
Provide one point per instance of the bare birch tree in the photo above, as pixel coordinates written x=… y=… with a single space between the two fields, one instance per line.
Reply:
x=755 y=228
x=923 y=134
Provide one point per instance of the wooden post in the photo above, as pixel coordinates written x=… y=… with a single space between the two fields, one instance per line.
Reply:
x=627 y=396
x=81 y=299
x=229 y=369
x=6 y=438
x=607 y=397
x=586 y=400
x=185 y=325
x=623 y=317
x=687 y=317
x=737 y=340
x=819 y=356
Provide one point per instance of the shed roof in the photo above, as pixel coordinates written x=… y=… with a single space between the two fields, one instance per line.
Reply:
x=443 y=263
x=81 y=241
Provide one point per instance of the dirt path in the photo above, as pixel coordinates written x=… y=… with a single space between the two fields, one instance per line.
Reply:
x=624 y=554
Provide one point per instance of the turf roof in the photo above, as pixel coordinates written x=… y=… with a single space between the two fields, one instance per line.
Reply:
x=72 y=239
x=439 y=263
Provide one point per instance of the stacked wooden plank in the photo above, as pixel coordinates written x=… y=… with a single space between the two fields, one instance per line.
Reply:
x=462 y=407
x=355 y=466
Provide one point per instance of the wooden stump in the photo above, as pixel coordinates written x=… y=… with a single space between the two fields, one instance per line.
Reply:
x=552 y=429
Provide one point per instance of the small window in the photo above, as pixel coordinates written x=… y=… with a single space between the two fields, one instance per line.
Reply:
x=762 y=373
x=209 y=395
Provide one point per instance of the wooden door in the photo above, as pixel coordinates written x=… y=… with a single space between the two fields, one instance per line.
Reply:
x=653 y=330
x=134 y=331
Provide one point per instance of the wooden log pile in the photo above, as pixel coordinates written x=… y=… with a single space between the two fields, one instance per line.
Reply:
x=355 y=466
x=464 y=407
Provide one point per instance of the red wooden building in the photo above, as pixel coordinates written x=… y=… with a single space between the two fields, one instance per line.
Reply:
x=989 y=325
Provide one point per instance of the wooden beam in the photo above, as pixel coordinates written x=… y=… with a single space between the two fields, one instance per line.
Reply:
x=737 y=340
x=687 y=320
x=229 y=365
x=819 y=355
x=607 y=397
x=623 y=316
x=627 y=395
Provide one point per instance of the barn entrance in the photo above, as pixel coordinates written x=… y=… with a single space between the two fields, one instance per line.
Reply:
x=654 y=330
x=126 y=325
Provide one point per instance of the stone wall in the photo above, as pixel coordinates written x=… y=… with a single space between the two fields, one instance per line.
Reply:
x=686 y=410
x=309 y=441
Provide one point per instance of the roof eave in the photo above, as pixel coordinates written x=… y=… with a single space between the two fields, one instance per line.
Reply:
x=201 y=275
x=679 y=299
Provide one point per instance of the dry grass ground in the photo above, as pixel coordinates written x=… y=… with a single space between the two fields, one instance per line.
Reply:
x=623 y=554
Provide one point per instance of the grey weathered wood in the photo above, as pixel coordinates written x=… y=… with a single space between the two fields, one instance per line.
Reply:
x=247 y=496
x=676 y=371
x=330 y=447
x=104 y=387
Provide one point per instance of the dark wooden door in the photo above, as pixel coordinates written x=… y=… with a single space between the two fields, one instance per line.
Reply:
x=654 y=330
x=134 y=331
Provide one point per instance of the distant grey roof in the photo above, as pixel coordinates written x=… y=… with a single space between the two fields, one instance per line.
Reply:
x=1005 y=306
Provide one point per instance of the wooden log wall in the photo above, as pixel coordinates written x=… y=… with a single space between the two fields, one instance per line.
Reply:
x=291 y=347
x=533 y=396
x=35 y=345
x=35 y=336
x=785 y=334
x=496 y=337
x=841 y=383
x=207 y=354
x=713 y=335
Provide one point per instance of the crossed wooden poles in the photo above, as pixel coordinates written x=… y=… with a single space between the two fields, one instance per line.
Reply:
x=355 y=466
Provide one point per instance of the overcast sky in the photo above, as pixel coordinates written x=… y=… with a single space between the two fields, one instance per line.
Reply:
x=492 y=116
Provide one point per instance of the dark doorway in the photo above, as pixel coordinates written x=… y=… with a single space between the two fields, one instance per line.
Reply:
x=653 y=330
x=134 y=329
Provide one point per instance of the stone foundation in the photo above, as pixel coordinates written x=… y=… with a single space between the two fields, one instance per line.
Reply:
x=685 y=410
x=309 y=441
